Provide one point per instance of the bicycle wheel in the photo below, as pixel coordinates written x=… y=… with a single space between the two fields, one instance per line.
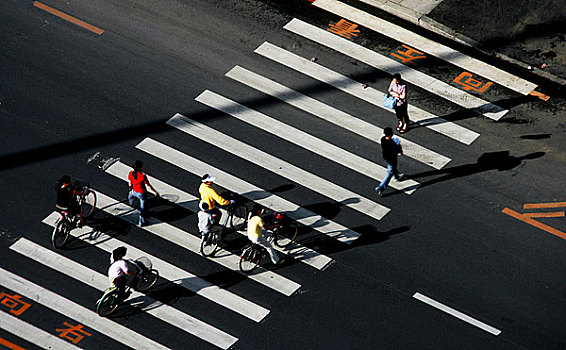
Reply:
x=238 y=217
x=107 y=304
x=209 y=244
x=286 y=234
x=250 y=259
x=147 y=280
x=88 y=203
x=60 y=233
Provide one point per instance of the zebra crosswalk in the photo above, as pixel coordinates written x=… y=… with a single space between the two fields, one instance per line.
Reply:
x=284 y=285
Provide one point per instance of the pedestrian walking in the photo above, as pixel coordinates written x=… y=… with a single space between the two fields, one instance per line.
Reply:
x=398 y=89
x=138 y=181
x=391 y=149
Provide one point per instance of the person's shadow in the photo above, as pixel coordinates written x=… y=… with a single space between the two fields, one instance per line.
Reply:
x=500 y=161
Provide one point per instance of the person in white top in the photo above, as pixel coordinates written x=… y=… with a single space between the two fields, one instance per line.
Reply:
x=206 y=222
x=398 y=89
x=119 y=269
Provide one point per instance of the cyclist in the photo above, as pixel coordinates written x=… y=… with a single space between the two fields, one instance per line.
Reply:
x=256 y=232
x=206 y=223
x=138 y=180
x=66 y=197
x=119 y=269
x=211 y=197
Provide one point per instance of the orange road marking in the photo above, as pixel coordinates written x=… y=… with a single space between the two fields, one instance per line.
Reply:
x=10 y=345
x=556 y=214
x=67 y=17
x=535 y=223
x=544 y=205
x=539 y=95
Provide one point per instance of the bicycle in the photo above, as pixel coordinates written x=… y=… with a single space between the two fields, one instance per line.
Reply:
x=237 y=213
x=283 y=233
x=113 y=297
x=67 y=222
x=235 y=217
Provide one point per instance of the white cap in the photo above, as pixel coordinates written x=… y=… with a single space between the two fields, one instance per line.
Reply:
x=208 y=178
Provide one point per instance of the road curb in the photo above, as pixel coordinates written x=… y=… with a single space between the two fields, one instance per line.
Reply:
x=447 y=32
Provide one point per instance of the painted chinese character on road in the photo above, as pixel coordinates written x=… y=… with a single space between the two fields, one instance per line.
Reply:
x=409 y=55
x=470 y=84
x=73 y=333
x=344 y=28
x=14 y=303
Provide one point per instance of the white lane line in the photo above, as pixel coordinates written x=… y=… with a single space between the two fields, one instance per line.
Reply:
x=368 y=94
x=78 y=313
x=421 y=43
x=257 y=194
x=456 y=313
x=280 y=167
x=192 y=243
x=99 y=281
x=301 y=138
x=386 y=64
x=32 y=334
x=180 y=277
x=297 y=251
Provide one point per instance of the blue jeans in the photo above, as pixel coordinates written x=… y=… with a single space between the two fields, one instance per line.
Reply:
x=391 y=172
x=143 y=210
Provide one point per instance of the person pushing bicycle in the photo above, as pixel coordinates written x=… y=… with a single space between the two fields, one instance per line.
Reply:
x=66 y=197
x=256 y=232
x=209 y=195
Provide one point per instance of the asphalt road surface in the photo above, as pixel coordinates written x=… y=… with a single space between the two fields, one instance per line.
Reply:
x=438 y=262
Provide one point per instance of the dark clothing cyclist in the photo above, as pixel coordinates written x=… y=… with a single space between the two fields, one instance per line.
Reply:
x=66 y=196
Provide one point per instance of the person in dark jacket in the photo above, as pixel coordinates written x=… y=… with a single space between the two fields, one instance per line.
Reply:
x=391 y=149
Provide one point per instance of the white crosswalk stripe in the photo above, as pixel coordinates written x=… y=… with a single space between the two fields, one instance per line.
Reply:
x=259 y=195
x=374 y=59
x=78 y=313
x=32 y=334
x=280 y=167
x=179 y=276
x=301 y=138
x=297 y=251
x=370 y=95
x=431 y=47
x=185 y=322
x=192 y=243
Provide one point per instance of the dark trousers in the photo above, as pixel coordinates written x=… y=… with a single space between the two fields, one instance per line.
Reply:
x=402 y=114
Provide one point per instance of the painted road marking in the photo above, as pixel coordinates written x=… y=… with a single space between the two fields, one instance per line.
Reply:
x=279 y=166
x=445 y=53
x=297 y=251
x=99 y=281
x=300 y=138
x=256 y=194
x=456 y=314
x=67 y=17
x=544 y=205
x=179 y=276
x=31 y=333
x=529 y=220
x=334 y=116
x=368 y=94
x=192 y=243
x=78 y=313
x=391 y=66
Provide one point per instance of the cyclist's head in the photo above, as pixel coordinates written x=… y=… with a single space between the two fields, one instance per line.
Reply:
x=256 y=210
x=65 y=179
x=388 y=131
x=203 y=206
x=119 y=253
x=207 y=178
